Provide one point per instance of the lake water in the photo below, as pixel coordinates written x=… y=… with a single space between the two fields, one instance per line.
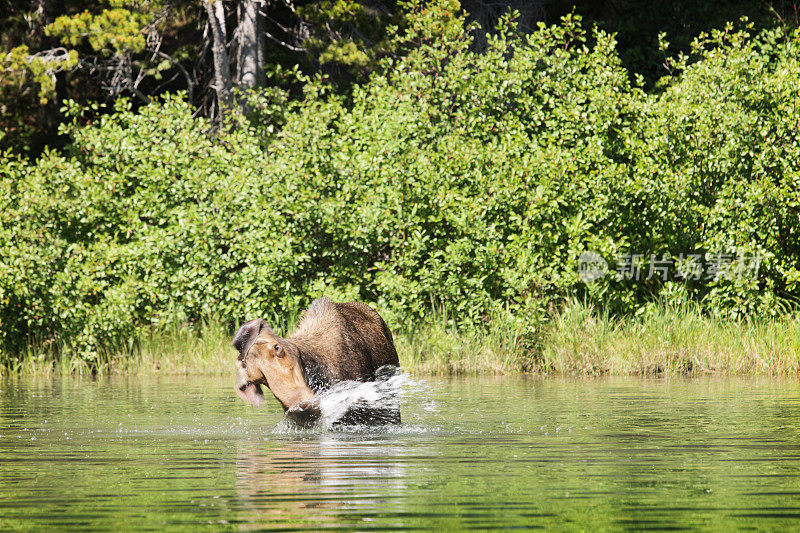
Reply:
x=610 y=454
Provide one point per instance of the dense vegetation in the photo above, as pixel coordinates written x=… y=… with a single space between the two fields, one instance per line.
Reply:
x=454 y=182
x=99 y=50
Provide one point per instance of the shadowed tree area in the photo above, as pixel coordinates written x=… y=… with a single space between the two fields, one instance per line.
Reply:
x=637 y=24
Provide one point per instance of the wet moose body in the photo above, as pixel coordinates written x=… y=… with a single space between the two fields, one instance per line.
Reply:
x=333 y=342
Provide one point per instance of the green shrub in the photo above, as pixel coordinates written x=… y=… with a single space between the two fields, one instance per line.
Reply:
x=458 y=182
x=723 y=139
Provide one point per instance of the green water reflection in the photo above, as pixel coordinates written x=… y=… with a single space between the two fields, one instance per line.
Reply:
x=182 y=453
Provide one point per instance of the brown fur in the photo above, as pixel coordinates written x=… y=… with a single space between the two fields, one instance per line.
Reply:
x=333 y=342
x=350 y=340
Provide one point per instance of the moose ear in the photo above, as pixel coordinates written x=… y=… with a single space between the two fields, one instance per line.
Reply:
x=248 y=334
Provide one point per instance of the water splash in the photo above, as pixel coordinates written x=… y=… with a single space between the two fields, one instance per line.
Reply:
x=344 y=404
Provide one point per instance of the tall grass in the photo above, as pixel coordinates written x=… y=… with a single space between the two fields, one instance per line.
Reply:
x=580 y=339
x=203 y=348
x=584 y=340
x=438 y=348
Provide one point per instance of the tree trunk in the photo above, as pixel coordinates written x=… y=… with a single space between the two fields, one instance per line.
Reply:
x=250 y=69
x=219 y=9
x=222 y=64
x=261 y=32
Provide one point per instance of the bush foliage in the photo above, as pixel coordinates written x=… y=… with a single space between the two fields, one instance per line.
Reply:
x=452 y=182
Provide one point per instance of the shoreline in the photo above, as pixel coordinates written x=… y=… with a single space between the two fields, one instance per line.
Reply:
x=578 y=341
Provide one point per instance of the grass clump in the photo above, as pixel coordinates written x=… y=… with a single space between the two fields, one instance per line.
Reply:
x=583 y=339
x=203 y=348
x=439 y=348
